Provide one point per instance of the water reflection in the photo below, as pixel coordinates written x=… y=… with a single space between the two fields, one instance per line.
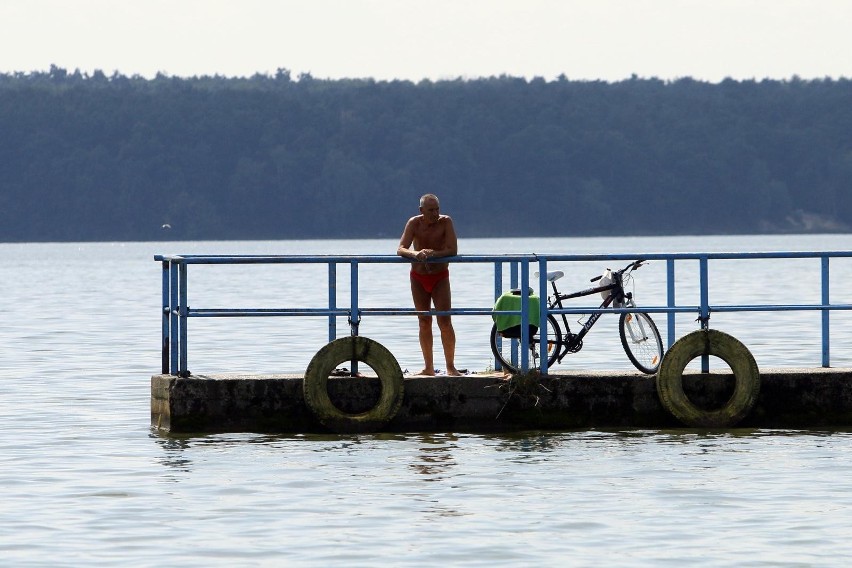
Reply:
x=434 y=464
x=447 y=487
x=528 y=446
x=434 y=458
x=174 y=450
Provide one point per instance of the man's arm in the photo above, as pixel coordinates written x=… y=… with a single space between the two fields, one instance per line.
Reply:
x=406 y=241
x=451 y=244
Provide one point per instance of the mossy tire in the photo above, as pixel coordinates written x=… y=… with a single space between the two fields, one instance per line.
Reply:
x=374 y=354
x=732 y=352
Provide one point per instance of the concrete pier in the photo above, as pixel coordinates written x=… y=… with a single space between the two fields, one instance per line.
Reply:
x=789 y=398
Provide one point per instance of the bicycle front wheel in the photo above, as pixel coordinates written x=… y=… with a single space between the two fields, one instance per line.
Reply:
x=641 y=341
x=501 y=347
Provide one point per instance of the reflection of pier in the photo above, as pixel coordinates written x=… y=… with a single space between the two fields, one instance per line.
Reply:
x=775 y=398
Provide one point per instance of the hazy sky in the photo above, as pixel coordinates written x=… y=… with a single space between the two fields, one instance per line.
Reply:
x=436 y=39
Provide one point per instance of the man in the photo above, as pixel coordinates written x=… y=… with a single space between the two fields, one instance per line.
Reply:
x=427 y=236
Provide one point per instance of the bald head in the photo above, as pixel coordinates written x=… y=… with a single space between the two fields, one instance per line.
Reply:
x=429 y=197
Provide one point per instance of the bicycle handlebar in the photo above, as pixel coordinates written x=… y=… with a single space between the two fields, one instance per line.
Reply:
x=632 y=266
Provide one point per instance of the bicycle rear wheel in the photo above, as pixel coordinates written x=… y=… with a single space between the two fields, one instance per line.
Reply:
x=641 y=341
x=503 y=353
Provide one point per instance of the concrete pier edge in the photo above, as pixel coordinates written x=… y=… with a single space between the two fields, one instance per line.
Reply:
x=790 y=398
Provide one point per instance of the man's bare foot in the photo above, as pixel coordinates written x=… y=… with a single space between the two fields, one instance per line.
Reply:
x=427 y=372
x=453 y=372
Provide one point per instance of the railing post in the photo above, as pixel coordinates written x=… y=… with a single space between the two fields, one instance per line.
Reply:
x=525 y=315
x=184 y=310
x=354 y=315
x=704 y=316
x=164 y=308
x=670 y=299
x=542 y=314
x=826 y=335
x=498 y=291
x=513 y=283
x=174 y=350
x=332 y=301
x=498 y=279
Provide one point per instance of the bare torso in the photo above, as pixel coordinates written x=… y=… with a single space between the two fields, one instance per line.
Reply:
x=437 y=239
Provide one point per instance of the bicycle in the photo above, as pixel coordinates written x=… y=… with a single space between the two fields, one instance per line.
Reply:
x=639 y=334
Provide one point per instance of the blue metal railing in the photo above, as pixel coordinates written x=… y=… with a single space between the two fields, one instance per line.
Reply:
x=176 y=310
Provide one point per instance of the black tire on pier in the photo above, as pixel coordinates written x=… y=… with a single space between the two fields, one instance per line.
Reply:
x=727 y=348
x=362 y=349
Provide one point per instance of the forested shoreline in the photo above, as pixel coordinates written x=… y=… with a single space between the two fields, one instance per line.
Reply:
x=97 y=157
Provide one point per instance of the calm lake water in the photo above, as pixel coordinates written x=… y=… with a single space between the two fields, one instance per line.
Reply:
x=85 y=481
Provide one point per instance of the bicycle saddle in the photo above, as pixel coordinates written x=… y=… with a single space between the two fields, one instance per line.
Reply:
x=553 y=276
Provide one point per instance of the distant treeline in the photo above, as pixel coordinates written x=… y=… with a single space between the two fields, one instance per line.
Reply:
x=97 y=157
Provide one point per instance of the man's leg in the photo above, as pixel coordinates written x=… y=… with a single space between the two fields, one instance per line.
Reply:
x=442 y=298
x=422 y=303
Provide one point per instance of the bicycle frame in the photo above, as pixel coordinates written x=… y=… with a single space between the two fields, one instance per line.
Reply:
x=571 y=340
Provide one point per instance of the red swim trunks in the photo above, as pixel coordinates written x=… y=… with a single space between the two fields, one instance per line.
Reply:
x=428 y=281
